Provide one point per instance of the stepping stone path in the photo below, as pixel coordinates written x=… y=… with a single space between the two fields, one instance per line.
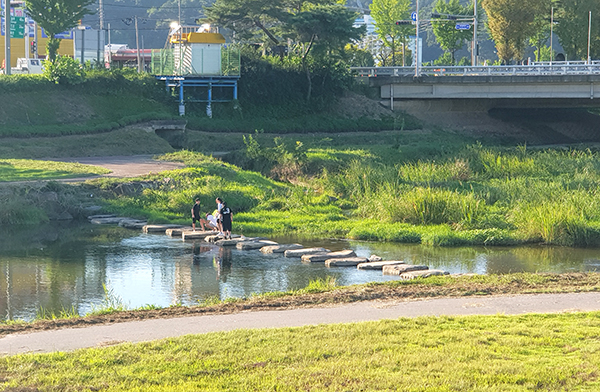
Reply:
x=343 y=258
x=345 y=262
x=402 y=268
x=304 y=251
x=321 y=257
x=279 y=248
x=378 y=265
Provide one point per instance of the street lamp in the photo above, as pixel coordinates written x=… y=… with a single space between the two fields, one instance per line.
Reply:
x=82 y=29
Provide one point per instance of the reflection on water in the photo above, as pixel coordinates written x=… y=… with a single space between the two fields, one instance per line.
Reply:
x=64 y=267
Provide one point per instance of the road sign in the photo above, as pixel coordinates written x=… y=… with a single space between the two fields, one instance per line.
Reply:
x=463 y=26
x=413 y=16
x=17 y=26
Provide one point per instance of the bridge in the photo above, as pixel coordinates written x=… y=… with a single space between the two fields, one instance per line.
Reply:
x=538 y=85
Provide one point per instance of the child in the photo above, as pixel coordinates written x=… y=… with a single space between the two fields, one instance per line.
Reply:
x=196 y=214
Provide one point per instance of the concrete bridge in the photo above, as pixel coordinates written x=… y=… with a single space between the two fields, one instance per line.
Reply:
x=539 y=85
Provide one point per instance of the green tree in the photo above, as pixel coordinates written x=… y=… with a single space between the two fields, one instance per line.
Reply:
x=572 y=28
x=55 y=17
x=446 y=34
x=511 y=24
x=386 y=13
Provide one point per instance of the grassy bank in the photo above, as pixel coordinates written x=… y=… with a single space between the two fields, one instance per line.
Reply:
x=493 y=353
x=32 y=170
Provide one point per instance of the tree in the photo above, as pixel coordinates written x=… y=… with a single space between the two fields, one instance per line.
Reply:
x=386 y=13
x=446 y=34
x=55 y=17
x=572 y=28
x=511 y=24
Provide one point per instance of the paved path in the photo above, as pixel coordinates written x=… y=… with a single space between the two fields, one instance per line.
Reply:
x=126 y=166
x=138 y=331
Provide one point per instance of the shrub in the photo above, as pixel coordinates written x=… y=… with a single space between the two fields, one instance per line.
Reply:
x=65 y=70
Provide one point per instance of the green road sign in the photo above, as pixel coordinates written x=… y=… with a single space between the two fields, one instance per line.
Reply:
x=17 y=26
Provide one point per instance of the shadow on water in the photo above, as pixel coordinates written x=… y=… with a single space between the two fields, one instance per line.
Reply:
x=64 y=266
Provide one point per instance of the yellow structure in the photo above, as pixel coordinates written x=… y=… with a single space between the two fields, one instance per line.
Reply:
x=17 y=47
x=198 y=38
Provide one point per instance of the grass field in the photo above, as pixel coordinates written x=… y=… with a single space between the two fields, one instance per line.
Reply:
x=492 y=353
x=32 y=170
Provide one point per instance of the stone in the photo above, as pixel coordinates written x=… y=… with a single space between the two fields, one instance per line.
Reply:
x=422 y=274
x=304 y=251
x=402 y=268
x=321 y=257
x=133 y=223
x=159 y=228
x=345 y=262
x=251 y=245
x=374 y=258
x=279 y=248
x=101 y=216
x=188 y=234
x=232 y=242
x=215 y=238
x=378 y=265
x=107 y=221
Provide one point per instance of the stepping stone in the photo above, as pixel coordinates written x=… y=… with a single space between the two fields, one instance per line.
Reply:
x=232 y=242
x=114 y=220
x=279 y=248
x=195 y=235
x=304 y=251
x=214 y=238
x=422 y=274
x=133 y=224
x=402 y=268
x=101 y=216
x=251 y=245
x=321 y=257
x=159 y=228
x=373 y=258
x=346 y=262
x=377 y=265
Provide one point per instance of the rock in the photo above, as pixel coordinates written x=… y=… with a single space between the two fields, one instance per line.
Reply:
x=251 y=245
x=101 y=216
x=374 y=258
x=188 y=234
x=321 y=257
x=422 y=274
x=378 y=265
x=215 y=238
x=304 y=251
x=345 y=262
x=159 y=228
x=108 y=221
x=402 y=268
x=232 y=242
x=279 y=248
x=133 y=223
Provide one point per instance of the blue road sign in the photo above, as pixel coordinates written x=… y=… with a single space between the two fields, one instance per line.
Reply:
x=463 y=26
x=413 y=16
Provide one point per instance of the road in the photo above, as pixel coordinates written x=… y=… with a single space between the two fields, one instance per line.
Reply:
x=69 y=339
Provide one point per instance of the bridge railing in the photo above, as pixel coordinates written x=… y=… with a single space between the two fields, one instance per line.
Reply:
x=545 y=68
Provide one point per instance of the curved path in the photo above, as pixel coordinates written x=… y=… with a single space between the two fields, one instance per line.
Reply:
x=137 y=331
x=125 y=166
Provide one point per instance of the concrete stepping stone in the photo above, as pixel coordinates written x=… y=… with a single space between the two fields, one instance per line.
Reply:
x=159 y=228
x=115 y=220
x=188 y=234
x=321 y=257
x=214 y=238
x=133 y=223
x=101 y=216
x=231 y=242
x=378 y=265
x=251 y=245
x=279 y=248
x=422 y=274
x=399 y=269
x=304 y=251
x=345 y=262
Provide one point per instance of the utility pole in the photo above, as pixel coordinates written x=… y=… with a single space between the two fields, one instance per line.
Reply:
x=137 y=45
x=7 y=37
x=589 y=59
x=101 y=29
x=417 y=72
x=475 y=50
x=551 y=33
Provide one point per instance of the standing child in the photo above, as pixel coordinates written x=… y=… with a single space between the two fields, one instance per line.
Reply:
x=195 y=214
x=226 y=220
x=219 y=202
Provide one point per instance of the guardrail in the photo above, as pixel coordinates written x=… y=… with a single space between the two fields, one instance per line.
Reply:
x=545 y=68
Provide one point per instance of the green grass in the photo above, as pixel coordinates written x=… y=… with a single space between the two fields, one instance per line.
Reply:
x=31 y=170
x=492 y=353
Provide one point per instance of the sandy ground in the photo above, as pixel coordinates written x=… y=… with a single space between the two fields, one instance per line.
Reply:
x=126 y=166
x=69 y=339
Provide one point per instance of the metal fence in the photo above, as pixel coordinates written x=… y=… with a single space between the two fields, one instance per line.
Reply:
x=542 y=68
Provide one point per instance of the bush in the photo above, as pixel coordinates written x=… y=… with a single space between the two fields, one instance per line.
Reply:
x=65 y=70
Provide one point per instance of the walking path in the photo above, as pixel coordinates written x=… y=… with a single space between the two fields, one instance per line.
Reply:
x=137 y=331
x=125 y=166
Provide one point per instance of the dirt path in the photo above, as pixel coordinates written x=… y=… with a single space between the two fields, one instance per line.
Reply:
x=69 y=339
x=125 y=166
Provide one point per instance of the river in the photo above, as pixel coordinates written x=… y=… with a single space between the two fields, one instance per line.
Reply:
x=68 y=266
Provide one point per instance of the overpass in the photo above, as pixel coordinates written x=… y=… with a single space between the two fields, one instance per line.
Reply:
x=481 y=88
